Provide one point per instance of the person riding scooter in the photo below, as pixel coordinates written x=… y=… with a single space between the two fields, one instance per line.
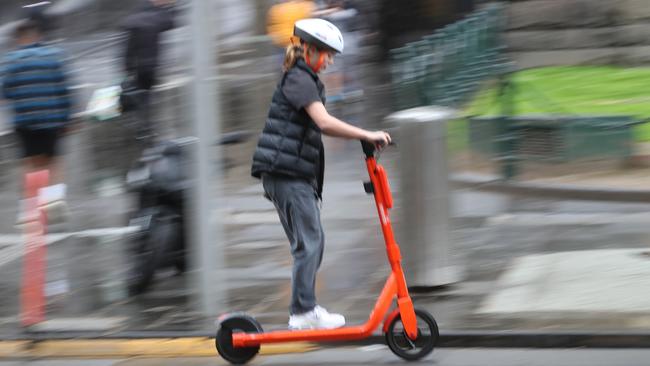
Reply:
x=290 y=160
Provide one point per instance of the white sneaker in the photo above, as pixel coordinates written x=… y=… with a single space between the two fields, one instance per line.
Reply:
x=319 y=318
x=57 y=212
x=50 y=194
x=52 y=199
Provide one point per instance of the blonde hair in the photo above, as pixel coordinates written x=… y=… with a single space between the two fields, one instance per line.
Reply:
x=293 y=54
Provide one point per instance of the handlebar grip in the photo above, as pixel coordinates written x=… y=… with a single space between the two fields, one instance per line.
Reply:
x=368 y=149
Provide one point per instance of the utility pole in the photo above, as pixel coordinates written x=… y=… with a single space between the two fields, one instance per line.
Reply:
x=206 y=252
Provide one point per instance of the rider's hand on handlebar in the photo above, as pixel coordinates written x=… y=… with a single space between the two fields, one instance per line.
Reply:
x=379 y=138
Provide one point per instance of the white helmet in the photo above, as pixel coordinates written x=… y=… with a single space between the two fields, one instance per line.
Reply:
x=320 y=33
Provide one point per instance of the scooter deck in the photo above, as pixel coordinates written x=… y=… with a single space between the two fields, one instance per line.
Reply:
x=365 y=330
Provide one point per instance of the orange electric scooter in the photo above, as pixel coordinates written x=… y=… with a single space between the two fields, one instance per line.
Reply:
x=410 y=333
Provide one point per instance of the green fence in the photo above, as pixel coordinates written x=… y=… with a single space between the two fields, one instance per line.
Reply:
x=448 y=66
x=555 y=138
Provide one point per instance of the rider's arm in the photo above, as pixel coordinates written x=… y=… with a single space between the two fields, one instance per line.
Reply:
x=333 y=126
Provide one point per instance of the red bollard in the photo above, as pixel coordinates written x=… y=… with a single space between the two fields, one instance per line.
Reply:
x=35 y=259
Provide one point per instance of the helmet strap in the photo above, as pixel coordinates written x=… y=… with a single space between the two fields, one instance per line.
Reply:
x=321 y=58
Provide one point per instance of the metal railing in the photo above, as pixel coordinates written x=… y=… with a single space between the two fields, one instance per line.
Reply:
x=447 y=67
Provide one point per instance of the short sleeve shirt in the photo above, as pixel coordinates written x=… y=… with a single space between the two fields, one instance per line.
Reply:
x=301 y=90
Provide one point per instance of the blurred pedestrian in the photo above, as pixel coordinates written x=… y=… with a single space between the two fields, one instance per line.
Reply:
x=35 y=82
x=142 y=54
x=290 y=160
x=283 y=15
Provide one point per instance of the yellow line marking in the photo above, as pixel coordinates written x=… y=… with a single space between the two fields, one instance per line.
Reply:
x=13 y=348
x=296 y=347
x=118 y=348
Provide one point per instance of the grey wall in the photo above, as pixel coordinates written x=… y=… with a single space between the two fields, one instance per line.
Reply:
x=561 y=32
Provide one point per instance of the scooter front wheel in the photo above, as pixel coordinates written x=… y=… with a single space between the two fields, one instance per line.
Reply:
x=412 y=350
x=236 y=323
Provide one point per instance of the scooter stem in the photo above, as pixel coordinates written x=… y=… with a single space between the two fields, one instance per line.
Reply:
x=384 y=201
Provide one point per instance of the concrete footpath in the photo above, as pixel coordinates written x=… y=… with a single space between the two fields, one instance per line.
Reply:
x=536 y=272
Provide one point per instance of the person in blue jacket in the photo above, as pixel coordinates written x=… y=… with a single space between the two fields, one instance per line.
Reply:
x=34 y=80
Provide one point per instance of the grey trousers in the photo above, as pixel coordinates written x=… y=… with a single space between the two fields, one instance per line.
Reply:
x=297 y=206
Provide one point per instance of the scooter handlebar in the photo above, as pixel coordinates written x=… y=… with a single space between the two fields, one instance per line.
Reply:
x=369 y=149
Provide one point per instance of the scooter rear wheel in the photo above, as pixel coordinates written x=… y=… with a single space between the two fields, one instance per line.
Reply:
x=412 y=350
x=223 y=341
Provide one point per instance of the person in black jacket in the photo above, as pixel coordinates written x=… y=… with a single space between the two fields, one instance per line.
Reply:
x=141 y=58
x=289 y=159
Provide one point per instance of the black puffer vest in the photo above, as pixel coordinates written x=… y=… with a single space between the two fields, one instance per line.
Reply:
x=290 y=144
